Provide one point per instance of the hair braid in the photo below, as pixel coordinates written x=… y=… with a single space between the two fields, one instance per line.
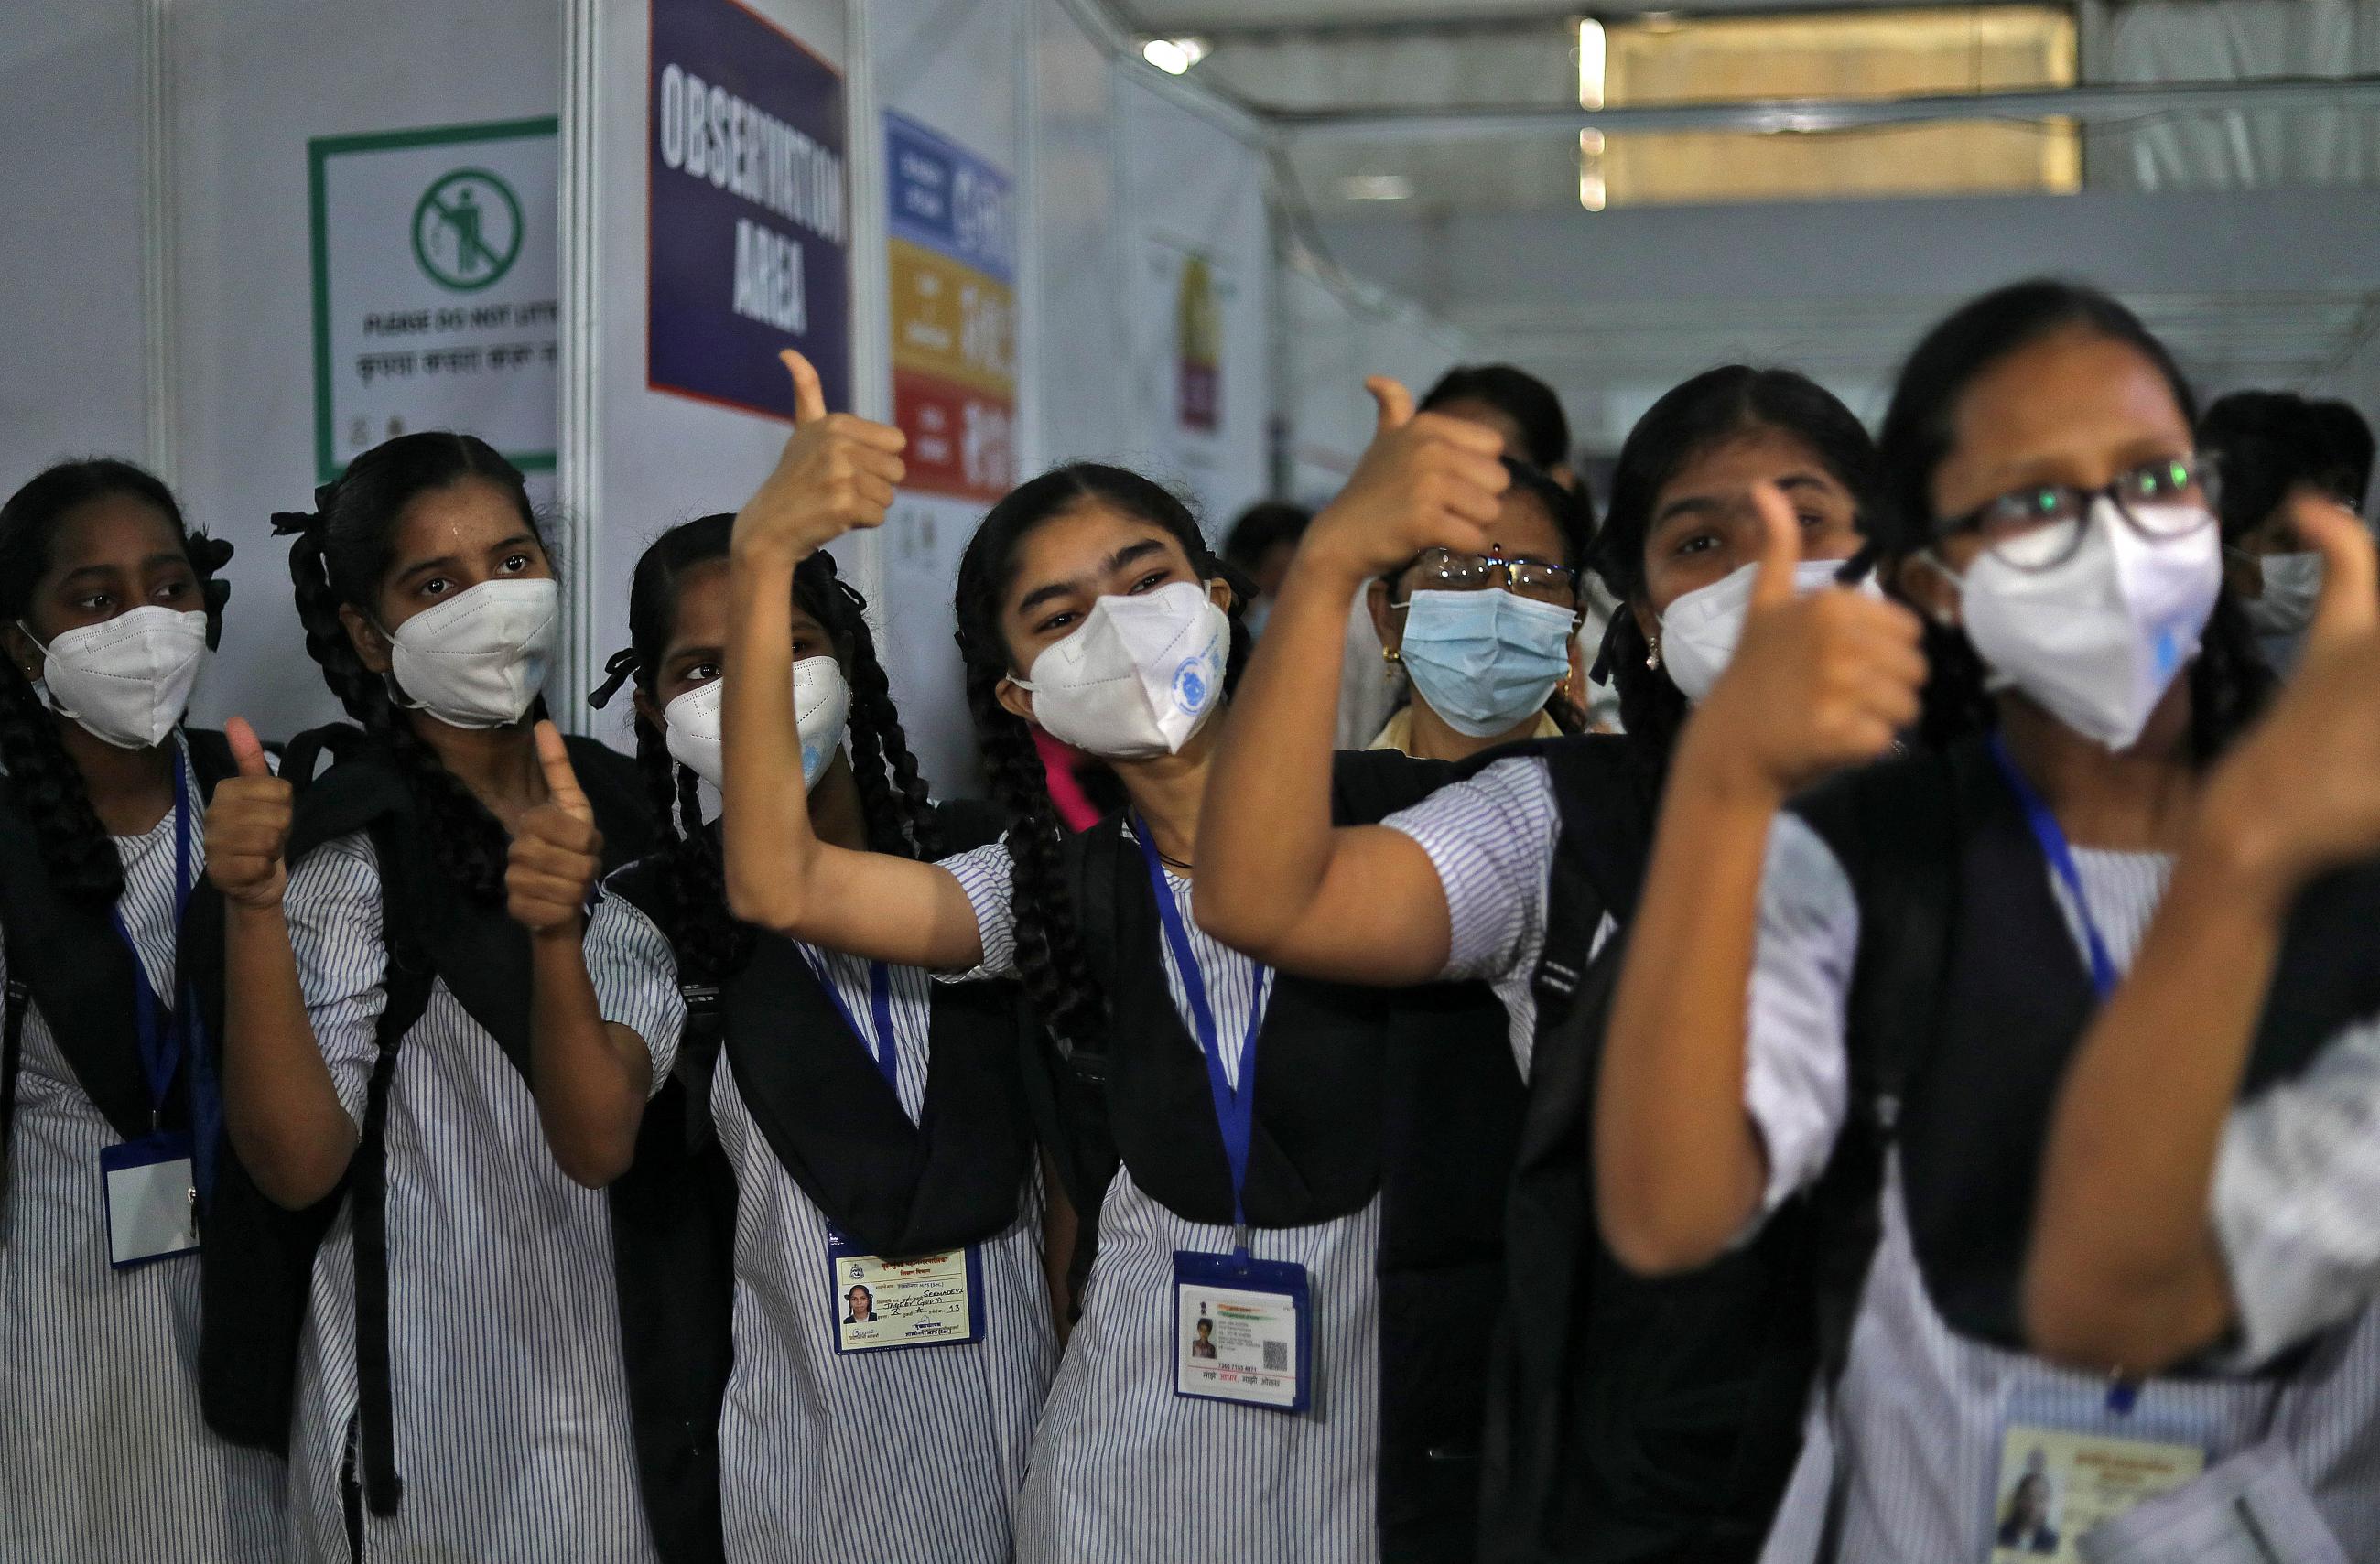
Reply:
x=45 y=783
x=712 y=946
x=1050 y=957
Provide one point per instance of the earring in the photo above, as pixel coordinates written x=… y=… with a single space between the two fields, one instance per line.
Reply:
x=1653 y=652
x=1389 y=655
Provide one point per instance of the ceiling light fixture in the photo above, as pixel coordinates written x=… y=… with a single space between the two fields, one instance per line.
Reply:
x=1374 y=187
x=1173 y=56
x=1591 y=53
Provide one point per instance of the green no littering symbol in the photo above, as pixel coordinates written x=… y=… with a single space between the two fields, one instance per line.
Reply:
x=466 y=230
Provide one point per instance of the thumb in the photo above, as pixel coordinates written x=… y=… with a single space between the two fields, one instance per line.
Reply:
x=1780 y=546
x=246 y=749
x=560 y=780
x=2349 y=605
x=810 y=397
x=1396 y=404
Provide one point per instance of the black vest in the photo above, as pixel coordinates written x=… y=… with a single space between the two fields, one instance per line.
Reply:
x=1991 y=999
x=1629 y=1418
x=65 y=957
x=1407 y=1093
x=893 y=1187
x=672 y=1213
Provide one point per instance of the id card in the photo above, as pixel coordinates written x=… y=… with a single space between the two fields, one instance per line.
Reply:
x=1242 y=1332
x=925 y=1300
x=152 y=1199
x=2055 y=1484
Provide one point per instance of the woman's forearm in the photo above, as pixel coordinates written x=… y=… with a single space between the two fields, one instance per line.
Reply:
x=592 y=1077
x=280 y=1107
x=1678 y=1168
x=2125 y=1271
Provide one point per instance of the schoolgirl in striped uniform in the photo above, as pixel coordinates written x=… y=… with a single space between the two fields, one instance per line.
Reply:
x=430 y=600
x=1896 y=971
x=831 y=1447
x=1089 y=603
x=1464 y=884
x=109 y=603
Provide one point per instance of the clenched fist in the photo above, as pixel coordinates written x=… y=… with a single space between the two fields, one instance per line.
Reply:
x=248 y=826
x=556 y=851
x=836 y=473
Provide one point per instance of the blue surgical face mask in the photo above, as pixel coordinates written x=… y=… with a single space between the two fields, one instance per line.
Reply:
x=1484 y=660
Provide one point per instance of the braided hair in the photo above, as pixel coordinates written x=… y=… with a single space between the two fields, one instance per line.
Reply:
x=41 y=777
x=1713 y=408
x=338 y=556
x=1049 y=956
x=2228 y=682
x=711 y=945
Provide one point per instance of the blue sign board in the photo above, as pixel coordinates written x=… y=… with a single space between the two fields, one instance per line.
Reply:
x=948 y=200
x=749 y=210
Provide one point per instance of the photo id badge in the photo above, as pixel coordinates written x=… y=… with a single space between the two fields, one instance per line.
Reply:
x=1242 y=1332
x=924 y=1301
x=152 y=1199
x=2067 y=1469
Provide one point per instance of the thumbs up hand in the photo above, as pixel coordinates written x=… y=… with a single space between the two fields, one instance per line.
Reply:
x=556 y=851
x=836 y=473
x=1819 y=680
x=2300 y=792
x=1426 y=481
x=248 y=826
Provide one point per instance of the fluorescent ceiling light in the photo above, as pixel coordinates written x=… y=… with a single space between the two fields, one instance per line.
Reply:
x=1590 y=63
x=1374 y=187
x=1173 y=56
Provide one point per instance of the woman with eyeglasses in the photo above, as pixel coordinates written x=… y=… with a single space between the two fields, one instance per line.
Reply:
x=1875 y=992
x=1487 y=638
x=1623 y=1415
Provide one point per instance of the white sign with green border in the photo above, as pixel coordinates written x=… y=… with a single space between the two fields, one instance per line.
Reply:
x=437 y=273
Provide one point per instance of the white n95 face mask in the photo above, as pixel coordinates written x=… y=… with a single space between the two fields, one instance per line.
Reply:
x=476 y=659
x=126 y=681
x=2099 y=639
x=1138 y=677
x=821 y=709
x=1700 y=631
x=2292 y=586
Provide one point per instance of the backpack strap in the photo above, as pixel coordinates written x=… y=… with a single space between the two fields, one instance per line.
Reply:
x=1894 y=828
x=699 y=1043
x=406 y=991
x=303 y=754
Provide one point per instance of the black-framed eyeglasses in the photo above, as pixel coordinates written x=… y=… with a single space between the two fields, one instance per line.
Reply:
x=2041 y=526
x=1442 y=570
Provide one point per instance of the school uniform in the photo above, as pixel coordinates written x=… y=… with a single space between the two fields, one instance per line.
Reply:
x=1937 y=1407
x=102 y=1449
x=1365 y=1166
x=852 y=1457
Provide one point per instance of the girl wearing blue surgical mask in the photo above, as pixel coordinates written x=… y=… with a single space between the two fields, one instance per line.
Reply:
x=1486 y=640
x=1520 y=874
x=2271 y=446
x=1261 y=1198
x=1879 y=989
x=111 y=953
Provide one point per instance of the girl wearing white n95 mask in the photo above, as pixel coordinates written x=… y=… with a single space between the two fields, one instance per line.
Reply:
x=111 y=951
x=459 y=1383
x=862 y=1109
x=1887 y=982
x=1206 y=1185
x=1486 y=640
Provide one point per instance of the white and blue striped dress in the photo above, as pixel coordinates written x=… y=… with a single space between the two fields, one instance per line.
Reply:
x=511 y=1399
x=102 y=1452
x=1121 y=1467
x=857 y=1459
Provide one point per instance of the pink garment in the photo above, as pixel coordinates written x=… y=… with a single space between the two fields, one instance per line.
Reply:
x=1058 y=760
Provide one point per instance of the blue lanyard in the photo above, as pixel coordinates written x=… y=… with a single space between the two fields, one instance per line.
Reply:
x=2052 y=837
x=884 y=1045
x=1235 y=1110
x=163 y=1031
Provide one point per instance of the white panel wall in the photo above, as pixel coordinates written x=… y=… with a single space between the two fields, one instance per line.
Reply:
x=1335 y=333
x=71 y=379
x=253 y=80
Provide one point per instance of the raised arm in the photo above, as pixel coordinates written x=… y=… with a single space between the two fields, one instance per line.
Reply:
x=590 y=1077
x=837 y=473
x=1816 y=683
x=2126 y=1271
x=1275 y=880
x=279 y=1106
